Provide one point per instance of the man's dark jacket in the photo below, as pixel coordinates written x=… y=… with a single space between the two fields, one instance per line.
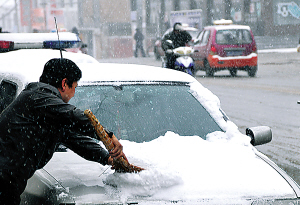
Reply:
x=181 y=38
x=178 y=39
x=32 y=127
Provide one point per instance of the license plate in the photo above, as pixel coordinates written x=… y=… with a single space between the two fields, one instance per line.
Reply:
x=234 y=53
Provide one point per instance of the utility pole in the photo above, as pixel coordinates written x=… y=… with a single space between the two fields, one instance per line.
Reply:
x=209 y=15
x=139 y=13
x=44 y=4
x=162 y=17
x=16 y=16
x=228 y=9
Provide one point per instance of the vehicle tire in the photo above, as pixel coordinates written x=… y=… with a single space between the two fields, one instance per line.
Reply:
x=233 y=72
x=209 y=71
x=252 y=71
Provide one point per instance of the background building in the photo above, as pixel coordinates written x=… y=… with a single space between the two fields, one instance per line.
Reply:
x=107 y=27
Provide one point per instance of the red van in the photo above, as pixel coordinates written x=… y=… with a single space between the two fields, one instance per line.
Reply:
x=225 y=46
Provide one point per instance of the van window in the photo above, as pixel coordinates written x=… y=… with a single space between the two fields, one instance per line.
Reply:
x=8 y=91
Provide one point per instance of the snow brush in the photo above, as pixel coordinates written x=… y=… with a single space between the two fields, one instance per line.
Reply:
x=120 y=164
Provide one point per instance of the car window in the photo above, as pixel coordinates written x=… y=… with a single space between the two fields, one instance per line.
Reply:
x=193 y=33
x=144 y=112
x=233 y=36
x=8 y=91
x=205 y=37
x=199 y=38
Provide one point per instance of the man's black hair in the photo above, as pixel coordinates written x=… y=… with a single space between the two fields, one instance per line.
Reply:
x=56 y=69
x=175 y=24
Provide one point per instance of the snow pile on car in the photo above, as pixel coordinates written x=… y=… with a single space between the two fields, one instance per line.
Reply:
x=190 y=168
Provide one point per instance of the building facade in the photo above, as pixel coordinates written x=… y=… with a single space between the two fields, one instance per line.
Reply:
x=107 y=27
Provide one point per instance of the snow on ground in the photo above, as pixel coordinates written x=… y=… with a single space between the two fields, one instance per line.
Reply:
x=280 y=50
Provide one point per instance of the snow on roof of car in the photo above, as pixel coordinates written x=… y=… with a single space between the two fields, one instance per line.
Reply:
x=223 y=24
x=29 y=64
x=130 y=72
x=225 y=27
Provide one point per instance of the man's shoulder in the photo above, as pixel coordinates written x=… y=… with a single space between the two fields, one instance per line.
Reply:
x=34 y=86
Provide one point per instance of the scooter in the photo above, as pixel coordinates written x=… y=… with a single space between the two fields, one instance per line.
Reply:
x=184 y=62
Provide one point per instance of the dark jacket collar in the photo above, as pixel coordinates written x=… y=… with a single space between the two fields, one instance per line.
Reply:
x=43 y=86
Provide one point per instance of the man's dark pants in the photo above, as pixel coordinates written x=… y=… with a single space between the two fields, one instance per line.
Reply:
x=139 y=46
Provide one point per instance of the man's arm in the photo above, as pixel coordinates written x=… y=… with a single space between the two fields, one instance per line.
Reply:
x=87 y=147
x=188 y=37
x=91 y=150
x=163 y=42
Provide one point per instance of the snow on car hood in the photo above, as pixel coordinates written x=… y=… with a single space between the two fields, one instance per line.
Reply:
x=178 y=168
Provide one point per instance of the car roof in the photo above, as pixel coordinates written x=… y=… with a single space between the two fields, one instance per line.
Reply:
x=224 y=27
x=38 y=37
x=92 y=70
x=28 y=64
x=14 y=41
x=108 y=72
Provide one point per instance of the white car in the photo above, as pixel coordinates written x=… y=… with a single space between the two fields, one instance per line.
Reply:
x=64 y=40
x=169 y=124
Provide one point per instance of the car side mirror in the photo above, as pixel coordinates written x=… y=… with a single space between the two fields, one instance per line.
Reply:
x=259 y=135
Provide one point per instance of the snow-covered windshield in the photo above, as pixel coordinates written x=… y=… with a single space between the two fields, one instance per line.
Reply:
x=144 y=112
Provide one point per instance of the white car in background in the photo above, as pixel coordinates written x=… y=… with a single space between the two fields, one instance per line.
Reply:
x=64 y=40
x=169 y=124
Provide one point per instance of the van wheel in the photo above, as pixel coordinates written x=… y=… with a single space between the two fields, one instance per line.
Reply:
x=252 y=71
x=233 y=72
x=209 y=71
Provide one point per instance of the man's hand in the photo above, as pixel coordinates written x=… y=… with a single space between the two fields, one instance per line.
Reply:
x=120 y=164
x=110 y=161
x=169 y=51
x=117 y=152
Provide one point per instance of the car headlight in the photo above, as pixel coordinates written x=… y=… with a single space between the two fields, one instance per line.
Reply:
x=180 y=52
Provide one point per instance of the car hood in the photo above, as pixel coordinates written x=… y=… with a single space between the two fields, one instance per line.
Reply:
x=178 y=169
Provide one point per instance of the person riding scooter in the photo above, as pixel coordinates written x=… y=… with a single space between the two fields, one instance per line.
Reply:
x=179 y=37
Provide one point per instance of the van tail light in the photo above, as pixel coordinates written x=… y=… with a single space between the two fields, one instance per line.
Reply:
x=213 y=50
x=6 y=45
